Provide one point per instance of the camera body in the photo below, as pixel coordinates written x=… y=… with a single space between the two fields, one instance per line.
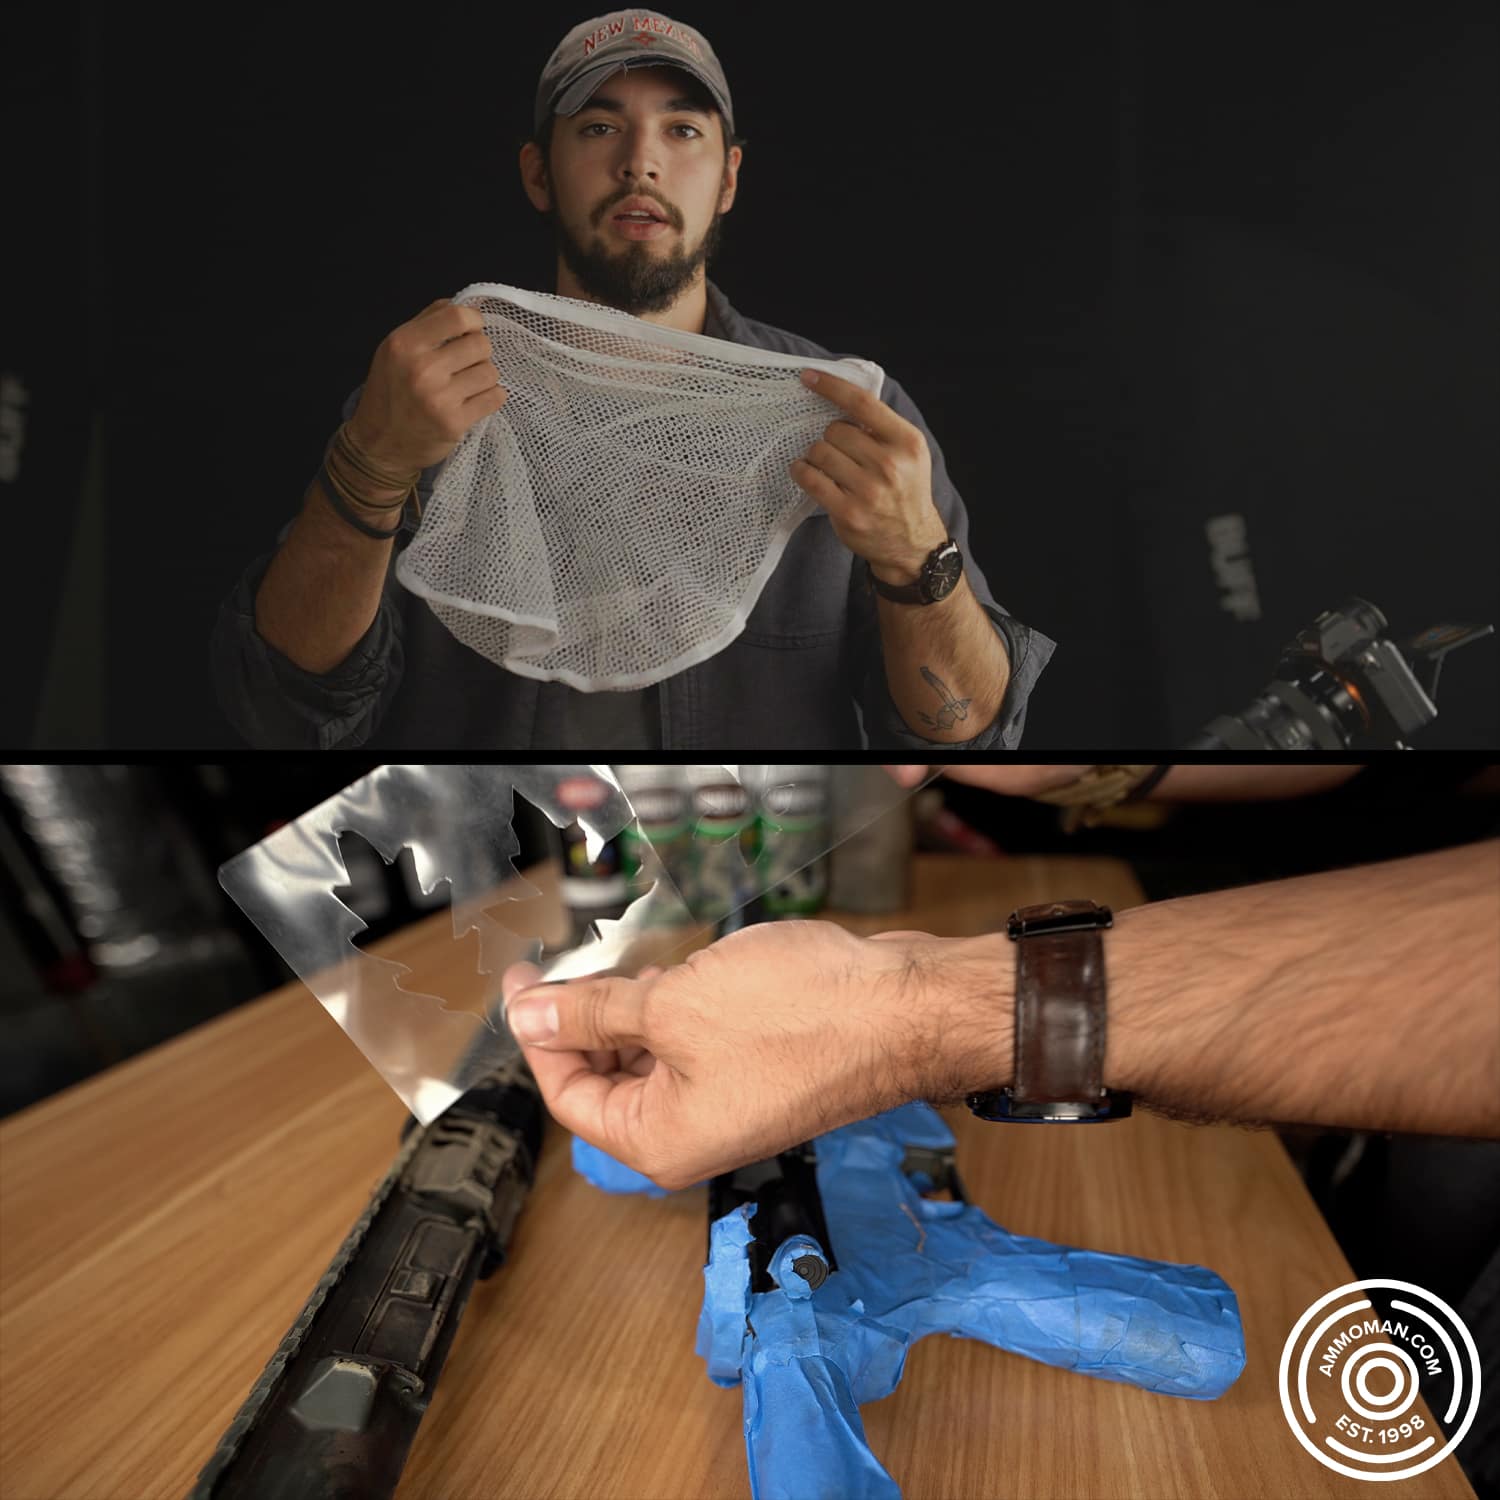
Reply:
x=1342 y=684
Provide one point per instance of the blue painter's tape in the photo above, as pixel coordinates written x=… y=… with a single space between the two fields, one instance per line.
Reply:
x=612 y=1176
x=908 y=1267
x=722 y=1325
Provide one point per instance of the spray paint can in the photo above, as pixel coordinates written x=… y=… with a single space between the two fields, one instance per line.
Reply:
x=722 y=876
x=870 y=868
x=593 y=887
x=662 y=800
x=794 y=832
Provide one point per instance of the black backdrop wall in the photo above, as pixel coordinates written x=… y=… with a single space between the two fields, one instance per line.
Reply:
x=1142 y=266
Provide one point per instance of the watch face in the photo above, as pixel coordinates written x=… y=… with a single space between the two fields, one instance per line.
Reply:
x=941 y=573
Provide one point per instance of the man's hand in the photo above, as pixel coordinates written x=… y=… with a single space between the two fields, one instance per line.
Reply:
x=873 y=475
x=762 y=1040
x=946 y=668
x=430 y=381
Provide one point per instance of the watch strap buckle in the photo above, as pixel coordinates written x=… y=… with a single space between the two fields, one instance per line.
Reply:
x=1002 y=1104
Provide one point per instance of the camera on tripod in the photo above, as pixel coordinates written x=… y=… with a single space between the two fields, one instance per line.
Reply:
x=1344 y=685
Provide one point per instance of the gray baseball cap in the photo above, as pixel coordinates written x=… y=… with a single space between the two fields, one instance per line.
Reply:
x=598 y=49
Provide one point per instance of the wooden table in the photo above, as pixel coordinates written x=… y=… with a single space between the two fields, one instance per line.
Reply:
x=163 y=1223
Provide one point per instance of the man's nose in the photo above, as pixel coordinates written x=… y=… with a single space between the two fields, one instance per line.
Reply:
x=640 y=158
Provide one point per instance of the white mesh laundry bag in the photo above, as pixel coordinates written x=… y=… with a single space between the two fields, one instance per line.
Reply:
x=615 y=521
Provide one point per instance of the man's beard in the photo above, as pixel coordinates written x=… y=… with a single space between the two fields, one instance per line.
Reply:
x=636 y=280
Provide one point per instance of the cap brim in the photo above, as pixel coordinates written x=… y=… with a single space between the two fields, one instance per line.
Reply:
x=583 y=88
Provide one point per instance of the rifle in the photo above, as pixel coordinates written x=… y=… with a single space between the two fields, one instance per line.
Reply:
x=827 y=1262
x=336 y=1409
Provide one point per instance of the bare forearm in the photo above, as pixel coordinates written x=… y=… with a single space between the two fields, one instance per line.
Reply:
x=322 y=589
x=1365 y=999
x=945 y=665
x=1215 y=783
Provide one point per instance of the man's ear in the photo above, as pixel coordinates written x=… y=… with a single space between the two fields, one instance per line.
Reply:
x=534 y=177
x=731 y=179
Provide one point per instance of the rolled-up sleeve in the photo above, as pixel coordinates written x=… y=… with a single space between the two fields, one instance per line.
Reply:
x=1029 y=650
x=272 y=701
x=277 y=705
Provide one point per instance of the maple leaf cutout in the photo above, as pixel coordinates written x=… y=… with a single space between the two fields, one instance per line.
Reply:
x=446 y=974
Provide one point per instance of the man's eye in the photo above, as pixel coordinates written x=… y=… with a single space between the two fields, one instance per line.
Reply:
x=603 y=125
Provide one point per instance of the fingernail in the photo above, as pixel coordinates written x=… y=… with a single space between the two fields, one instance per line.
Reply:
x=533 y=1020
x=810 y=376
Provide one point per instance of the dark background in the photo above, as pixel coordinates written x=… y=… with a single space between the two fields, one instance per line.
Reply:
x=1140 y=265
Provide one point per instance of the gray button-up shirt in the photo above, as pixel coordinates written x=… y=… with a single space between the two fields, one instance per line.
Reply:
x=805 y=674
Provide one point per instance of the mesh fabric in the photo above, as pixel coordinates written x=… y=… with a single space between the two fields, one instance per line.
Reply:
x=615 y=521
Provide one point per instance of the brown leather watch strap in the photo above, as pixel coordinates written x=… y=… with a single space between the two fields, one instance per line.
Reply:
x=1059 y=1020
x=1060 y=1009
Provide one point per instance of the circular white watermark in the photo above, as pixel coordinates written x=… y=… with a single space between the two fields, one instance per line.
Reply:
x=1351 y=1375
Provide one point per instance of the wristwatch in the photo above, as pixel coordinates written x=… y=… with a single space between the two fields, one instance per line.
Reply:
x=1059 y=1020
x=939 y=577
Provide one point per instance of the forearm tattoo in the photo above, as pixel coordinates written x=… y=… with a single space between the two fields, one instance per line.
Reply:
x=952 y=710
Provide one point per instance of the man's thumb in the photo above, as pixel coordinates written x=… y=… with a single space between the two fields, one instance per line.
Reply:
x=581 y=1015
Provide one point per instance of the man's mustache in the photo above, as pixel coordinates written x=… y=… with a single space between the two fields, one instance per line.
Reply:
x=670 y=213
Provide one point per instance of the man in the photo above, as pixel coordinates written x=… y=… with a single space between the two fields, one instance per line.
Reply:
x=876 y=627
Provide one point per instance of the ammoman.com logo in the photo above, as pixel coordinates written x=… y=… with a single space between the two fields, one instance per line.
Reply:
x=1350 y=1378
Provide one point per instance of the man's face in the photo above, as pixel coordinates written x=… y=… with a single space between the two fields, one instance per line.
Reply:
x=645 y=144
